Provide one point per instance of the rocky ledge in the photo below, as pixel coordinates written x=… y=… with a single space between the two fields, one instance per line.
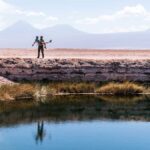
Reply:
x=16 y=69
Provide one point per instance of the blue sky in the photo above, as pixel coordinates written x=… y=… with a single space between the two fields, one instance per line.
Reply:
x=95 y=16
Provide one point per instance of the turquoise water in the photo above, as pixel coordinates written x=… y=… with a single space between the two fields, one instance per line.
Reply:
x=76 y=135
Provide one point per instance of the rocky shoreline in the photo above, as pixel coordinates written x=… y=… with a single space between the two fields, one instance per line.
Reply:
x=76 y=70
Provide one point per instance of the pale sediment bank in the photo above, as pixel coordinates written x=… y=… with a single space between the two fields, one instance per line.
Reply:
x=77 y=70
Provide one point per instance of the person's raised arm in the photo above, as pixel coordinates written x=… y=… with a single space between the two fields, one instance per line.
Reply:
x=33 y=43
x=36 y=41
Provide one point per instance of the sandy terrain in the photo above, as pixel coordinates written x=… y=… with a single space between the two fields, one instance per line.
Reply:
x=81 y=54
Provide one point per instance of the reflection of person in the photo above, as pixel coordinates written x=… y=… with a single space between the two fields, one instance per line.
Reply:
x=40 y=131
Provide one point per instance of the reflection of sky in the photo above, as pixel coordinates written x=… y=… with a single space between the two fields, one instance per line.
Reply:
x=2 y=137
x=93 y=135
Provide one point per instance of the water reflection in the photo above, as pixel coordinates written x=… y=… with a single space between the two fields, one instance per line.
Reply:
x=75 y=114
x=40 y=132
x=79 y=135
x=62 y=108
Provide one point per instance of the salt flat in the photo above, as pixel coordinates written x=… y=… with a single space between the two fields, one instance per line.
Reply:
x=77 y=54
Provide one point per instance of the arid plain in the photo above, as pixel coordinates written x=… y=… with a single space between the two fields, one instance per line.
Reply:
x=78 y=54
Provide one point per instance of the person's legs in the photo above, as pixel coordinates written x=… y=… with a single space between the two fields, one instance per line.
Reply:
x=42 y=50
x=38 y=52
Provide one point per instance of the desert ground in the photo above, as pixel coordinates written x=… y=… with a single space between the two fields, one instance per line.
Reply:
x=77 y=54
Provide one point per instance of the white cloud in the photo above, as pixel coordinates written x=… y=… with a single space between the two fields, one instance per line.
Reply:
x=4 y=7
x=51 y=18
x=10 y=14
x=30 y=13
x=130 y=18
x=129 y=11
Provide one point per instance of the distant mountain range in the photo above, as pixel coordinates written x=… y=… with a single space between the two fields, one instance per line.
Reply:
x=22 y=35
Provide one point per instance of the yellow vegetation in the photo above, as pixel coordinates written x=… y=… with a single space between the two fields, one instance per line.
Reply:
x=126 y=88
x=40 y=90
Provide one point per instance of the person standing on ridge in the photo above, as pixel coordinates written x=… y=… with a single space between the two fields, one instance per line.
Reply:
x=41 y=45
x=40 y=42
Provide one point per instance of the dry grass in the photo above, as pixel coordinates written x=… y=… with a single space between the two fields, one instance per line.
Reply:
x=126 y=88
x=73 y=87
x=15 y=91
x=40 y=91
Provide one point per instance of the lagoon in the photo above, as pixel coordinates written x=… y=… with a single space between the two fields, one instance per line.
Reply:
x=76 y=123
x=77 y=135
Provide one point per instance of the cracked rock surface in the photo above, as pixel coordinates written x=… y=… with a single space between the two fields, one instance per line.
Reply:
x=18 y=69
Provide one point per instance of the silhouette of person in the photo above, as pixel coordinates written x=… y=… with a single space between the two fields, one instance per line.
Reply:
x=36 y=41
x=41 y=45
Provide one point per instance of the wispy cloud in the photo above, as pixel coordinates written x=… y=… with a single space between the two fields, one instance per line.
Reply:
x=10 y=13
x=130 y=18
x=126 y=12
x=30 y=13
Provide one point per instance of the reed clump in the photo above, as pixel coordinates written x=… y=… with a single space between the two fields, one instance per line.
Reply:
x=14 y=91
x=38 y=91
x=126 y=88
x=74 y=87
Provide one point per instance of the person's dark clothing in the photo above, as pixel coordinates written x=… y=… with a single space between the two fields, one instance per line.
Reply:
x=41 y=48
